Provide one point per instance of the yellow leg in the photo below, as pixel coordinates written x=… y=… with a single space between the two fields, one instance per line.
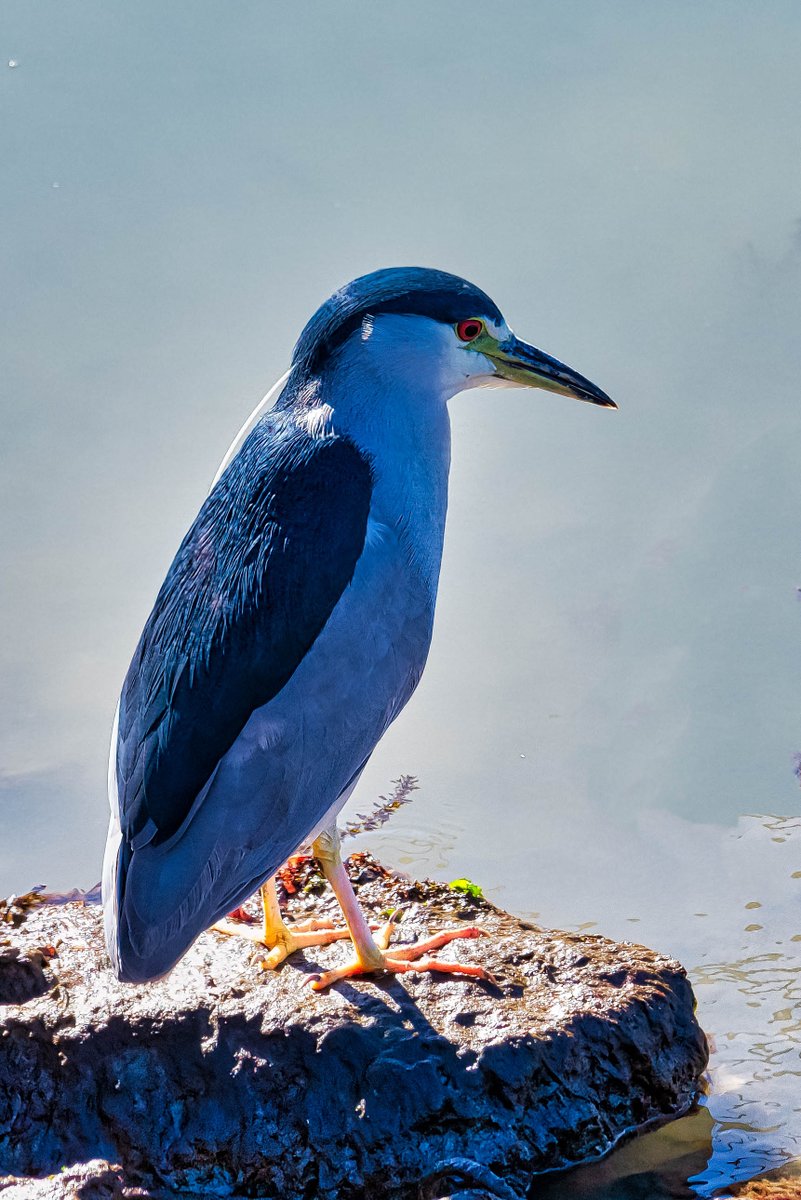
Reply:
x=371 y=953
x=279 y=939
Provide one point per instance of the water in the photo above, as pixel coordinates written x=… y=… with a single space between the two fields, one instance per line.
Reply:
x=613 y=683
x=727 y=903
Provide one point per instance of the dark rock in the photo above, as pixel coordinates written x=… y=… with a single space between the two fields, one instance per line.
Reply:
x=22 y=975
x=224 y=1079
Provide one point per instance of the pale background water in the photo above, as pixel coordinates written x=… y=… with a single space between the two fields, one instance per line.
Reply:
x=613 y=682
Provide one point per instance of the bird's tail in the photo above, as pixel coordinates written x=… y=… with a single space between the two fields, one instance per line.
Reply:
x=156 y=906
x=158 y=899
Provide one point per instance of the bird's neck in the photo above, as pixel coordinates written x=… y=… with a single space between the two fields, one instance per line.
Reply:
x=401 y=423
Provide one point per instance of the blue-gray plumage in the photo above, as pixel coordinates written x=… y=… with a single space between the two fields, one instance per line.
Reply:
x=295 y=620
x=254 y=582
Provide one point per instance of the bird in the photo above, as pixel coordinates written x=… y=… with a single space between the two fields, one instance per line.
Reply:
x=294 y=625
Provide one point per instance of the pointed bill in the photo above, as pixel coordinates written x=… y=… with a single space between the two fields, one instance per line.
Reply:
x=522 y=364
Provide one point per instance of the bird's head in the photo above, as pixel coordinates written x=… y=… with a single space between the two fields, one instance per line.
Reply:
x=417 y=320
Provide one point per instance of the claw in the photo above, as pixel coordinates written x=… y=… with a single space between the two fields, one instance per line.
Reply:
x=386 y=930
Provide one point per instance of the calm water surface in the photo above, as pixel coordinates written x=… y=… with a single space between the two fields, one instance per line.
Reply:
x=613 y=684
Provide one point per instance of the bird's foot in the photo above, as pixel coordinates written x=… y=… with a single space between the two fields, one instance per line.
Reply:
x=406 y=958
x=283 y=940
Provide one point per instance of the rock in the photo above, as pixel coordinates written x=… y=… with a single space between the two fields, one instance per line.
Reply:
x=225 y=1079
x=777 y=1185
x=95 y=1180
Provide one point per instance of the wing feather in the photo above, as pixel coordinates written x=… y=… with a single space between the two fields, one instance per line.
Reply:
x=251 y=587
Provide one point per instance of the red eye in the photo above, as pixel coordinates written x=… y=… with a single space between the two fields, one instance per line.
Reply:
x=469 y=330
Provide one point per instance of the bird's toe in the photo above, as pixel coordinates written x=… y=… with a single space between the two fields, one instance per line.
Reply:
x=405 y=959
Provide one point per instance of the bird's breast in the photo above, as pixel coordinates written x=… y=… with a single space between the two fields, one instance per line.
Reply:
x=381 y=627
x=299 y=752
x=297 y=756
x=407 y=520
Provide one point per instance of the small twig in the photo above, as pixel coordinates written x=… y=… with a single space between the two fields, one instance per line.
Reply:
x=383 y=808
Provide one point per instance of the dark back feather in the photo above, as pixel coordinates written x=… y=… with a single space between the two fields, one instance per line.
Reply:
x=251 y=587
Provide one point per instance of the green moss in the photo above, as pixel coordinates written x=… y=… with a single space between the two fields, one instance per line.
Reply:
x=467 y=888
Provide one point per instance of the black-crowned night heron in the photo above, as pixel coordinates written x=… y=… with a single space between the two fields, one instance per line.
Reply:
x=295 y=621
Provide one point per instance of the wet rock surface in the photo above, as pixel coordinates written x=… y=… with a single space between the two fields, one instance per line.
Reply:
x=224 y=1079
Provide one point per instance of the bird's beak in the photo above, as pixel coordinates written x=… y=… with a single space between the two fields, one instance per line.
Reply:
x=526 y=366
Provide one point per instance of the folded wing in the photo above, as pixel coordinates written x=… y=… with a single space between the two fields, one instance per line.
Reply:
x=251 y=587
